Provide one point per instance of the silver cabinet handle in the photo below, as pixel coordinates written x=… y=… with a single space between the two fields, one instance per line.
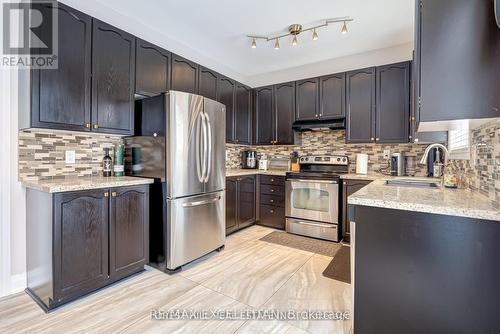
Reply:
x=204 y=202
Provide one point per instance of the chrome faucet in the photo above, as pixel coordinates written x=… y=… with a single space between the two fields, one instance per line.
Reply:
x=423 y=161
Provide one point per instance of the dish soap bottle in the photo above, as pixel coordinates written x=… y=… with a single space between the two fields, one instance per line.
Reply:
x=106 y=163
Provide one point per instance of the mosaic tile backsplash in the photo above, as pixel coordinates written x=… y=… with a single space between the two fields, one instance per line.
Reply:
x=42 y=153
x=330 y=142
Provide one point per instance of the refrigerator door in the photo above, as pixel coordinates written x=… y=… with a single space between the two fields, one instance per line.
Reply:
x=215 y=120
x=185 y=153
x=196 y=226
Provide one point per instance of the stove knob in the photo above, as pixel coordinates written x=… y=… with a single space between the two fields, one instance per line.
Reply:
x=344 y=159
x=338 y=159
x=307 y=159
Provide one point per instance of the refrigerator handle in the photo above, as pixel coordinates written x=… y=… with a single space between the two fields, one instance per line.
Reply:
x=205 y=146
x=199 y=162
x=209 y=146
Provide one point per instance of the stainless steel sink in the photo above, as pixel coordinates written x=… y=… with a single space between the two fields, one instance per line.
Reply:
x=412 y=183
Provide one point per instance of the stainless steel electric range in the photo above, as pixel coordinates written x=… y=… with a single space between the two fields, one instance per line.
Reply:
x=313 y=197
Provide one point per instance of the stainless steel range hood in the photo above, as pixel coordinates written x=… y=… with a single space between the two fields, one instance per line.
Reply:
x=317 y=125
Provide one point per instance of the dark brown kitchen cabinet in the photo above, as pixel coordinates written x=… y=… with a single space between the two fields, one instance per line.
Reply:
x=332 y=96
x=226 y=97
x=264 y=118
x=272 y=201
x=113 y=79
x=80 y=241
x=360 y=104
x=240 y=202
x=152 y=69
x=284 y=113
x=349 y=187
x=208 y=82
x=184 y=75
x=60 y=98
x=457 y=59
x=242 y=114
x=307 y=99
x=128 y=229
x=392 y=115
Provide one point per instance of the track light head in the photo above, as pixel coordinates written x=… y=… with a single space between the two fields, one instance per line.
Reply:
x=254 y=43
x=277 y=44
x=344 y=28
x=295 y=41
x=315 y=35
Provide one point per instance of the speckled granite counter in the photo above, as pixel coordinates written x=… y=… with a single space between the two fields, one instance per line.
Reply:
x=84 y=183
x=453 y=202
x=241 y=172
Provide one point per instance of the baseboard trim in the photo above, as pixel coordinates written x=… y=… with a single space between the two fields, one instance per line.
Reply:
x=17 y=283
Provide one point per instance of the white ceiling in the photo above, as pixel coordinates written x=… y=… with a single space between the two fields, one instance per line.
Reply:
x=213 y=32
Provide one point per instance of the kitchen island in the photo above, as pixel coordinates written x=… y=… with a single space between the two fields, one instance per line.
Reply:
x=424 y=260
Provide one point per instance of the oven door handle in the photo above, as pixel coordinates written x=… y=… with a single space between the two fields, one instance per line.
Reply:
x=314 y=181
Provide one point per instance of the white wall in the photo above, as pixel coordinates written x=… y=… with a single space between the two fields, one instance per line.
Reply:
x=379 y=57
x=12 y=195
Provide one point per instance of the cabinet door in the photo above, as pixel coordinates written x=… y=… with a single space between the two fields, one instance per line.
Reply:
x=272 y=216
x=458 y=79
x=113 y=79
x=80 y=242
x=184 y=75
x=332 y=96
x=61 y=97
x=349 y=187
x=264 y=116
x=152 y=69
x=393 y=103
x=307 y=94
x=231 y=205
x=208 y=81
x=284 y=96
x=226 y=97
x=246 y=200
x=360 y=101
x=128 y=229
x=150 y=116
x=242 y=114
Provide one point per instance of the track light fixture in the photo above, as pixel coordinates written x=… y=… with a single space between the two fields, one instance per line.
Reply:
x=296 y=29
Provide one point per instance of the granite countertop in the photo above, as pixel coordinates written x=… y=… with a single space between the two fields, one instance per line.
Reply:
x=241 y=172
x=84 y=183
x=453 y=202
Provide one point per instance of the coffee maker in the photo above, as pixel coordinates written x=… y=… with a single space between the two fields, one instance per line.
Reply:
x=249 y=159
x=397 y=164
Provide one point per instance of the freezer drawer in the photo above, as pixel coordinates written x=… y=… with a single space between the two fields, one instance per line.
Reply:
x=195 y=227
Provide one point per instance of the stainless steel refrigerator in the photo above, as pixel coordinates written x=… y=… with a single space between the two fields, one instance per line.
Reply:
x=189 y=164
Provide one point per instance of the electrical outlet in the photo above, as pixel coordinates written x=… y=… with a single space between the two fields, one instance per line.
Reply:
x=227 y=155
x=70 y=157
x=387 y=154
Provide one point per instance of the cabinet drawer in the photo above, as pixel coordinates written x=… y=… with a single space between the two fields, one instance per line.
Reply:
x=272 y=189
x=271 y=179
x=272 y=216
x=275 y=200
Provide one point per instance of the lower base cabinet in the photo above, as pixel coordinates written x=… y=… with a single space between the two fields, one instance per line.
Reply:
x=240 y=202
x=349 y=187
x=272 y=201
x=80 y=241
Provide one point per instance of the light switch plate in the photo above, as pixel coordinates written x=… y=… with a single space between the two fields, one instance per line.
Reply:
x=387 y=154
x=227 y=155
x=70 y=157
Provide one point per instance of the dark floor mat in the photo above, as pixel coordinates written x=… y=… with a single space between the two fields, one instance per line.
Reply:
x=340 y=267
x=312 y=245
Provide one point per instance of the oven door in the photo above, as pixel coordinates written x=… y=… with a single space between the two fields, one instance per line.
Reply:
x=312 y=200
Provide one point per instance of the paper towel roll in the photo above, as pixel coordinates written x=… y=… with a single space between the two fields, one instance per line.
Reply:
x=361 y=163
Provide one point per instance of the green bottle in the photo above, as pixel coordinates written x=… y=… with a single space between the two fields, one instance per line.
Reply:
x=119 y=157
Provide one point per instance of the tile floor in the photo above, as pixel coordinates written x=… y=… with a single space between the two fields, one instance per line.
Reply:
x=248 y=274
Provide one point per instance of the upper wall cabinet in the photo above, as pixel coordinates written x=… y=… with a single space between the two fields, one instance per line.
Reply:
x=152 y=69
x=264 y=118
x=61 y=97
x=360 y=100
x=457 y=55
x=226 y=97
x=208 y=82
x=284 y=113
x=184 y=75
x=242 y=114
x=113 y=79
x=307 y=95
x=332 y=96
x=393 y=103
